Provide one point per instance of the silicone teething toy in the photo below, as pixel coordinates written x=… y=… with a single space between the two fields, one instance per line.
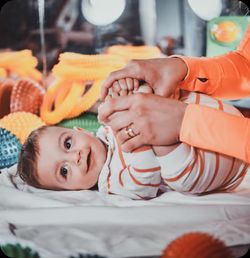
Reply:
x=9 y=148
x=21 y=124
x=20 y=63
x=196 y=245
x=26 y=95
x=68 y=95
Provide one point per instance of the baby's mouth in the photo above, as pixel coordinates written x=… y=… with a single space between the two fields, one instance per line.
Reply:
x=88 y=160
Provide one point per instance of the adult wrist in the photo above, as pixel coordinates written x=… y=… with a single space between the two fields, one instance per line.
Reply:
x=182 y=66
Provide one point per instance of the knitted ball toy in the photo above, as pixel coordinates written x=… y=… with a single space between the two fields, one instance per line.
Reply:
x=26 y=95
x=9 y=148
x=196 y=245
x=87 y=121
x=21 y=124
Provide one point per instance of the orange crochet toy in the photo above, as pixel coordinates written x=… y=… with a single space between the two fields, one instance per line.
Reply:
x=68 y=96
x=19 y=63
x=21 y=124
x=26 y=95
x=197 y=245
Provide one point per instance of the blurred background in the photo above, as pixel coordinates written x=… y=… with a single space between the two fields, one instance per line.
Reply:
x=51 y=27
x=88 y=26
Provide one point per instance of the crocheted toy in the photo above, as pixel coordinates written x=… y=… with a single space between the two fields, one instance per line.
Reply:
x=21 y=124
x=134 y=52
x=6 y=86
x=26 y=95
x=69 y=97
x=196 y=245
x=20 y=63
x=9 y=148
x=87 y=121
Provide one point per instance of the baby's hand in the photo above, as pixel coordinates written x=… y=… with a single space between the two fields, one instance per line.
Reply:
x=128 y=86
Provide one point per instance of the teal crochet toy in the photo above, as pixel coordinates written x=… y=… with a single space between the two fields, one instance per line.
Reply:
x=9 y=148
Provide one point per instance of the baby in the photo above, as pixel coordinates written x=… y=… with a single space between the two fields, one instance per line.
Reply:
x=57 y=158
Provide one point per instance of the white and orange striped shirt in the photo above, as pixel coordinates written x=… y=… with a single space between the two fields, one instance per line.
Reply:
x=141 y=174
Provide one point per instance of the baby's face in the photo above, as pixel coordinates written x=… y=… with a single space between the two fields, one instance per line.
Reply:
x=69 y=159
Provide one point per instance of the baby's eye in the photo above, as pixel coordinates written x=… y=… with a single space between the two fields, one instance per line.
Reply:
x=64 y=171
x=68 y=143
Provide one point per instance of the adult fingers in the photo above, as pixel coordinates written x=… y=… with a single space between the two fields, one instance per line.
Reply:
x=114 y=105
x=119 y=120
x=124 y=134
x=133 y=143
x=114 y=76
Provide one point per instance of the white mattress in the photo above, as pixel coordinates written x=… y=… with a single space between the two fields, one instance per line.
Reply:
x=61 y=224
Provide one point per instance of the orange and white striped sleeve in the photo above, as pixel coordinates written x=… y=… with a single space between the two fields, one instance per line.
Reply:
x=192 y=170
x=140 y=175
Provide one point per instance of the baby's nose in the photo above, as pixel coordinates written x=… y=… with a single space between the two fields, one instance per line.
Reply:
x=76 y=157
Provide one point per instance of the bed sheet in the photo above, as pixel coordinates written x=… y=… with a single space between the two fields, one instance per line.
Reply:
x=65 y=223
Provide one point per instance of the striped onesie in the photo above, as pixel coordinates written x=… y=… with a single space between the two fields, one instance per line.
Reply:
x=143 y=175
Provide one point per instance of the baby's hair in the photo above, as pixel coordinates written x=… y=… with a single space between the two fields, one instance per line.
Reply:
x=27 y=163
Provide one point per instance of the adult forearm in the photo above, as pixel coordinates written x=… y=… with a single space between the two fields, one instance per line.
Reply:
x=225 y=76
x=217 y=131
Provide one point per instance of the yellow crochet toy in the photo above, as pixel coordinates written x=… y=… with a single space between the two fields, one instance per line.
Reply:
x=19 y=63
x=21 y=124
x=135 y=52
x=68 y=96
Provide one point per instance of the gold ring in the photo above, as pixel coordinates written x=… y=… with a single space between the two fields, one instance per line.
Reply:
x=129 y=131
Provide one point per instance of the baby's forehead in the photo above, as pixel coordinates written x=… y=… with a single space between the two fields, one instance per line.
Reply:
x=57 y=129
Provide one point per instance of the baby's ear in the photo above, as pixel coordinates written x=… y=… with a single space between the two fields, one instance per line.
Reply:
x=76 y=128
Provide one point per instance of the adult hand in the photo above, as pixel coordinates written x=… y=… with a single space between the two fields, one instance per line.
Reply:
x=162 y=74
x=154 y=120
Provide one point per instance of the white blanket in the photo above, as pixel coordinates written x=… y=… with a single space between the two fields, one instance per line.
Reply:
x=61 y=224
